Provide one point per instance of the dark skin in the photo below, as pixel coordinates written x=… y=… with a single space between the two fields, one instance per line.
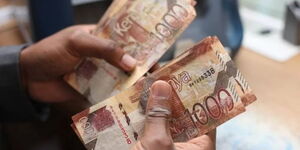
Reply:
x=44 y=64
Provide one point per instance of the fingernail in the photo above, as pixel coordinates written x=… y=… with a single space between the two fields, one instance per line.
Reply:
x=128 y=61
x=160 y=90
x=159 y=104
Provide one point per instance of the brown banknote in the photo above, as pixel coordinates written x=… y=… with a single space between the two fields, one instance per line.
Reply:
x=145 y=30
x=207 y=91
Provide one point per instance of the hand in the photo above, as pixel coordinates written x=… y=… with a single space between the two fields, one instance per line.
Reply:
x=44 y=64
x=157 y=134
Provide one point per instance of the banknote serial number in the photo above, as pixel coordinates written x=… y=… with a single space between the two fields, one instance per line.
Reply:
x=184 y=77
x=205 y=75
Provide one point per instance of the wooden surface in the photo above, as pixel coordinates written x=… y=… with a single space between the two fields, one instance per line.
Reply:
x=277 y=86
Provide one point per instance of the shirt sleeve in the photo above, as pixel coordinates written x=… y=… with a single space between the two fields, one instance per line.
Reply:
x=15 y=104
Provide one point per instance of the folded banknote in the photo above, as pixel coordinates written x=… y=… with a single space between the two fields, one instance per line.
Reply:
x=207 y=91
x=144 y=30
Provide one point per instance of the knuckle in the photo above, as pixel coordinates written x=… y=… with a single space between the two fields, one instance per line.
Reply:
x=110 y=45
x=163 y=141
x=75 y=36
x=75 y=27
x=113 y=51
x=74 y=42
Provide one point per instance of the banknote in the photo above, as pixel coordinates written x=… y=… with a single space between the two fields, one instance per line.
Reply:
x=76 y=131
x=207 y=91
x=144 y=30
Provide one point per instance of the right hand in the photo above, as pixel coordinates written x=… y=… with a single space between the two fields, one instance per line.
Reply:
x=157 y=135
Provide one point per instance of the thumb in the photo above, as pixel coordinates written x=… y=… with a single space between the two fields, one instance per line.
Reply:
x=157 y=133
x=83 y=44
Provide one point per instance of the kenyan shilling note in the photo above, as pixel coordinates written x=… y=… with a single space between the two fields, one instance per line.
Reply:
x=145 y=30
x=207 y=91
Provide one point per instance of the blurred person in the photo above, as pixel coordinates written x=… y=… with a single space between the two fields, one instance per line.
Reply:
x=32 y=76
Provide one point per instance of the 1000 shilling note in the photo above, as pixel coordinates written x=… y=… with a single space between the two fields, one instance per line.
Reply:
x=145 y=30
x=207 y=91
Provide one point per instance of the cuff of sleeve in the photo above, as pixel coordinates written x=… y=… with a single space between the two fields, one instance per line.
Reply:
x=15 y=104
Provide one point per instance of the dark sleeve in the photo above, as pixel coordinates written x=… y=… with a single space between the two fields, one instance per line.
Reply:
x=15 y=105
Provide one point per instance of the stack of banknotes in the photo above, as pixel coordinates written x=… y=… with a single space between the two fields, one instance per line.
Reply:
x=208 y=89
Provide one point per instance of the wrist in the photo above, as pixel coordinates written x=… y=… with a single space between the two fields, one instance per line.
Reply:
x=23 y=69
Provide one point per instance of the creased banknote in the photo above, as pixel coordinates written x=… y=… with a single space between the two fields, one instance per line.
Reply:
x=145 y=30
x=207 y=91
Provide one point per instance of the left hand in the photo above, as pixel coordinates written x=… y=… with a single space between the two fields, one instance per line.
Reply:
x=44 y=64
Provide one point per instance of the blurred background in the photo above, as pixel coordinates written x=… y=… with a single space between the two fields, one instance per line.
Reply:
x=263 y=38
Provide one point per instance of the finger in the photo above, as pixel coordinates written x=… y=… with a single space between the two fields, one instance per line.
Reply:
x=194 y=3
x=86 y=28
x=187 y=146
x=158 y=105
x=156 y=133
x=83 y=44
x=204 y=142
x=212 y=136
x=138 y=146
